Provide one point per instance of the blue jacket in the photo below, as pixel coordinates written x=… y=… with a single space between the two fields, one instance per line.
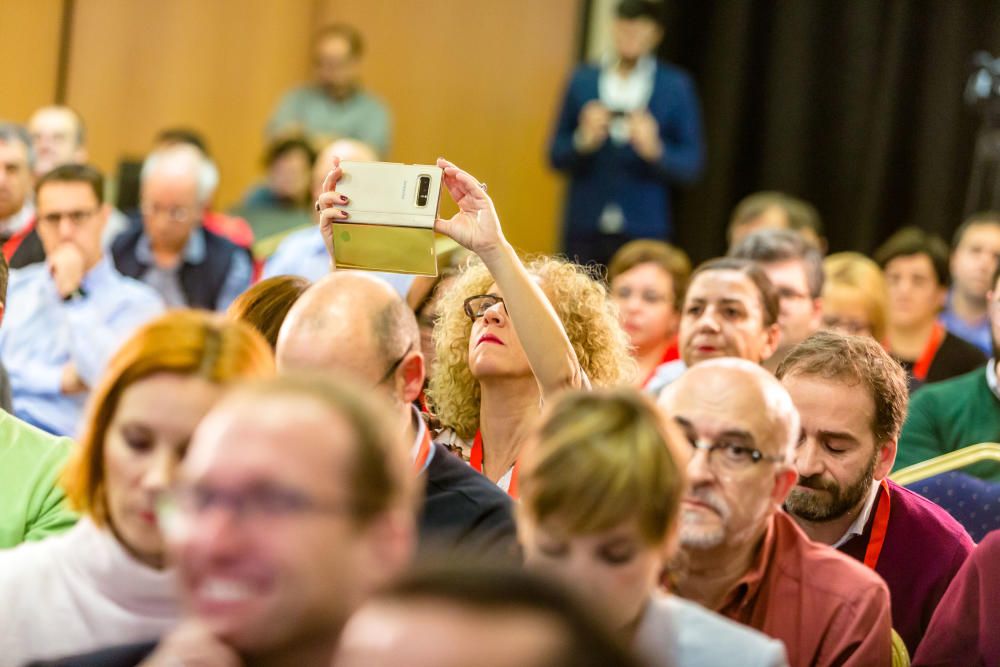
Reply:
x=616 y=173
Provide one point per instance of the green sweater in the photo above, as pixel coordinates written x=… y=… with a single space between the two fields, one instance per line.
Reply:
x=949 y=415
x=32 y=505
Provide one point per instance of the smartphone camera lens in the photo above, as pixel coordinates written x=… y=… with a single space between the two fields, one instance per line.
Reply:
x=423 y=187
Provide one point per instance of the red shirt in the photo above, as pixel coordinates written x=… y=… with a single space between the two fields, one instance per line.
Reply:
x=827 y=608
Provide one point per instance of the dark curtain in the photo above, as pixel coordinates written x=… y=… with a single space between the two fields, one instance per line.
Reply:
x=853 y=105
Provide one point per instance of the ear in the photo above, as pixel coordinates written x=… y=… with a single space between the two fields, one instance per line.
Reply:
x=3 y=311
x=390 y=541
x=816 y=319
x=772 y=337
x=942 y=297
x=410 y=376
x=784 y=480
x=886 y=458
x=81 y=155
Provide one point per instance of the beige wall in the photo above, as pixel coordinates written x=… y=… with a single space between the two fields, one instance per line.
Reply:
x=476 y=81
x=29 y=49
x=137 y=66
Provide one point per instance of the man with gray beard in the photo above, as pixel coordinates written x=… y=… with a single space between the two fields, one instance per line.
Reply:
x=851 y=398
x=745 y=558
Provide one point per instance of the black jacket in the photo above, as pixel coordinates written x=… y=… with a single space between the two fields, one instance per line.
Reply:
x=465 y=512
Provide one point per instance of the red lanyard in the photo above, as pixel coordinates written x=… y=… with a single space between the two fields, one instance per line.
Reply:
x=879 y=527
x=423 y=452
x=669 y=354
x=923 y=364
x=476 y=461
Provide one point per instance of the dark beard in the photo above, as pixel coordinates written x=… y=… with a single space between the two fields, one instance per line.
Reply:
x=811 y=507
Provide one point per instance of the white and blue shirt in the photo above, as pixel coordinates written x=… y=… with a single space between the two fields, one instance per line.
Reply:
x=42 y=332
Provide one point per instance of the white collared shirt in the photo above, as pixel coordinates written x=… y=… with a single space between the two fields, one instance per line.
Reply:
x=991 y=377
x=858 y=527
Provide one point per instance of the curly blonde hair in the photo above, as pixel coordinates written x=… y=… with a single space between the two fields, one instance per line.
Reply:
x=582 y=304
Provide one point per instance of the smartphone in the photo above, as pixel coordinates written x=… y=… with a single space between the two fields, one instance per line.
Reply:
x=392 y=209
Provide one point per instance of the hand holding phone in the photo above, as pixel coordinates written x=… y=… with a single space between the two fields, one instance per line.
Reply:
x=380 y=216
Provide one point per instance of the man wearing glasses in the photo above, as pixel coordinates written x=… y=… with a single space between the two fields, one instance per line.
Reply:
x=795 y=268
x=742 y=556
x=171 y=250
x=356 y=325
x=294 y=503
x=65 y=317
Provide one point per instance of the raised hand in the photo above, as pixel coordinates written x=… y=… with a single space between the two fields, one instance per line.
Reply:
x=67 y=267
x=644 y=135
x=476 y=226
x=592 y=129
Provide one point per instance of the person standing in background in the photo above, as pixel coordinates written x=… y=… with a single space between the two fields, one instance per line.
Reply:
x=334 y=105
x=974 y=253
x=629 y=128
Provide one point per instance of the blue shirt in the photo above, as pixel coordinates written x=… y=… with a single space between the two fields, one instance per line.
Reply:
x=978 y=334
x=41 y=333
x=303 y=253
x=167 y=281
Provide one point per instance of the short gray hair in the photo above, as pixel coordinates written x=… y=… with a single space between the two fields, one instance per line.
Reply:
x=768 y=246
x=10 y=132
x=207 y=176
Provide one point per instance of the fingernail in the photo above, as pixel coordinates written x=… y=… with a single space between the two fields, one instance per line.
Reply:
x=343 y=199
x=343 y=214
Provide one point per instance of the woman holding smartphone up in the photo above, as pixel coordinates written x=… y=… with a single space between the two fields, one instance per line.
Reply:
x=510 y=336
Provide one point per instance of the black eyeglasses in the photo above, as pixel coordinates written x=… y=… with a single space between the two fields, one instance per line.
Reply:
x=395 y=365
x=476 y=306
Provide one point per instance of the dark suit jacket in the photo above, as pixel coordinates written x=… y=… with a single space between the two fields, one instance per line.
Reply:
x=465 y=512
x=617 y=174
x=128 y=655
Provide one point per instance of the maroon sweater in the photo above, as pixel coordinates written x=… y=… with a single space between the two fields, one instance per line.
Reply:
x=923 y=550
x=965 y=629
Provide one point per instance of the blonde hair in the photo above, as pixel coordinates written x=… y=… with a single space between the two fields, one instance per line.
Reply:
x=853 y=277
x=184 y=342
x=589 y=317
x=599 y=459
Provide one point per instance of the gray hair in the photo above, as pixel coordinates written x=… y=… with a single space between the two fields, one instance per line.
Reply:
x=207 y=173
x=781 y=245
x=10 y=132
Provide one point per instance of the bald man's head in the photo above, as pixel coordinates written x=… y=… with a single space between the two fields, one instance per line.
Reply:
x=743 y=426
x=731 y=389
x=350 y=322
x=348 y=150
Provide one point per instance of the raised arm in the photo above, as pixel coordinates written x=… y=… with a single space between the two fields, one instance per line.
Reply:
x=476 y=227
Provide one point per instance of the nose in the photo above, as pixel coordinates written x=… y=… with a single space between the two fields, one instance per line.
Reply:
x=160 y=473
x=708 y=321
x=698 y=468
x=213 y=532
x=808 y=460
x=493 y=314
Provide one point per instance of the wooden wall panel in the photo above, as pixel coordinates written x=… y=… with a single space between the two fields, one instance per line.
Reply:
x=216 y=65
x=29 y=51
x=479 y=83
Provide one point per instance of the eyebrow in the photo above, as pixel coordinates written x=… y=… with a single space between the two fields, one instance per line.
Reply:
x=837 y=435
x=739 y=434
x=723 y=300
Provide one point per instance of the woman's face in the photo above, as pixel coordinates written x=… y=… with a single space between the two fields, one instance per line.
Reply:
x=494 y=348
x=616 y=570
x=847 y=316
x=645 y=298
x=146 y=439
